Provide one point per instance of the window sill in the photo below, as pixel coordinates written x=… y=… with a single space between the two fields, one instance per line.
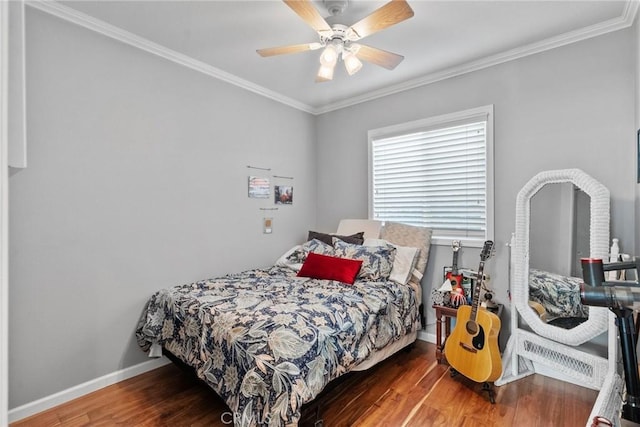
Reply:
x=464 y=242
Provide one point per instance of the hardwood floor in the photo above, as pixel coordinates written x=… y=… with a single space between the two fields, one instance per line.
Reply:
x=408 y=389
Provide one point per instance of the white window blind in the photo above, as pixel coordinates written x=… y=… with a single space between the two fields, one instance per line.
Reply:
x=435 y=177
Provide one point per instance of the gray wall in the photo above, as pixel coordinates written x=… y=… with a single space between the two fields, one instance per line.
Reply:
x=564 y=108
x=137 y=180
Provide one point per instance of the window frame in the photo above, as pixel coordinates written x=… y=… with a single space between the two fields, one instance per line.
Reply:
x=436 y=122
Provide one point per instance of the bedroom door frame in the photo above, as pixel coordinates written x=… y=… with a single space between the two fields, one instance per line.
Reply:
x=4 y=201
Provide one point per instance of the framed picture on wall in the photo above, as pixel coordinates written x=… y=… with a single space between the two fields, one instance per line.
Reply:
x=283 y=194
x=258 y=187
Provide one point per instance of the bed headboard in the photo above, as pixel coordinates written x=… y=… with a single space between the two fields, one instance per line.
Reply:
x=371 y=227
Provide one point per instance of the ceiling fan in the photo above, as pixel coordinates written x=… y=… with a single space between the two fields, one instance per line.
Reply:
x=340 y=41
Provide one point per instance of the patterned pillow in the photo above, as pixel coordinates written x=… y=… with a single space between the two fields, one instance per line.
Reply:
x=316 y=246
x=403 y=263
x=291 y=258
x=377 y=261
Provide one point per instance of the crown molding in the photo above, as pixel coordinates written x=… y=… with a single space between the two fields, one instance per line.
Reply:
x=82 y=19
x=630 y=11
x=623 y=21
x=52 y=7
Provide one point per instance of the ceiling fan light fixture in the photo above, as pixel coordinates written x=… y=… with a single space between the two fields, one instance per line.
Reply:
x=329 y=56
x=325 y=73
x=339 y=41
x=351 y=63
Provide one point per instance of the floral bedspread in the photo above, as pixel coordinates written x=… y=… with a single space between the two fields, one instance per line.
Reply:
x=268 y=341
x=559 y=295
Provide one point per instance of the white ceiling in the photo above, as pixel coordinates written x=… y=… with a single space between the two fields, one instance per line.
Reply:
x=444 y=38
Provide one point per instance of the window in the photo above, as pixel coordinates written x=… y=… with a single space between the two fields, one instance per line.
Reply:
x=436 y=172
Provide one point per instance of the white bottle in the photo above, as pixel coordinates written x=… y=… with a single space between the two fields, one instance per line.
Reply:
x=614 y=254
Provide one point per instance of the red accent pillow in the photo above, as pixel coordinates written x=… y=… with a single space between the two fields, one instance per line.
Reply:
x=327 y=267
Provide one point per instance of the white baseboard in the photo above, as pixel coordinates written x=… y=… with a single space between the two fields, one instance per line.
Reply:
x=69 y=394
x=426 y=336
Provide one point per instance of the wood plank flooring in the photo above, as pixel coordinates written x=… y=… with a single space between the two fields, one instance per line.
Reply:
x=408 y=389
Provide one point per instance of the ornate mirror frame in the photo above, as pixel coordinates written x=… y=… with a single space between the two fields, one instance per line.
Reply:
x=598 y=321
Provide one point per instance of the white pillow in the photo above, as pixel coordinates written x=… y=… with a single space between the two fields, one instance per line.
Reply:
x=376 y=242
x=403 y=262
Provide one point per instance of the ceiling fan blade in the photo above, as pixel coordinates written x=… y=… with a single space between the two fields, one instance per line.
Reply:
x=294 y=48
x=388 y=60
x=307 y=11
x=390 y=14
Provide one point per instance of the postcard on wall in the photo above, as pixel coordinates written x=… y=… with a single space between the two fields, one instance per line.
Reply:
x=283 y=194
x=258 y=187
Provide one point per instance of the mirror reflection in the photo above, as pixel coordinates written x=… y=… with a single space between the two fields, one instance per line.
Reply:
x=558 y=238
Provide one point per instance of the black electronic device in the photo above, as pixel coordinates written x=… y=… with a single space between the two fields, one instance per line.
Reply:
x=622 y=298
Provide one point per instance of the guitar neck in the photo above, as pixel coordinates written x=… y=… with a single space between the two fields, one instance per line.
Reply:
x=476 y=292
x=454 y=267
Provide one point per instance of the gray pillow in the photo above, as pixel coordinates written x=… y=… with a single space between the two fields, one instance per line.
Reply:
x=409 y=235
x=354 y=239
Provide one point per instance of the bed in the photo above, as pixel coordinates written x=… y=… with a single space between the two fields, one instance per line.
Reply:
x=269 y=340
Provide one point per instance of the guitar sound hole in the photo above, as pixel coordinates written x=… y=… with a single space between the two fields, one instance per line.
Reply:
x=472 y=327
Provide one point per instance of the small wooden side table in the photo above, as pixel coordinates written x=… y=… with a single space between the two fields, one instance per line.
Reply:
x=444 y=315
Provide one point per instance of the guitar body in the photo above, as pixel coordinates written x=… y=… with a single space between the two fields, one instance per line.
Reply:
x=472 y=348
x=455 y=279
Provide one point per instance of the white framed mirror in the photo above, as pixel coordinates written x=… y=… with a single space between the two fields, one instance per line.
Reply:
x=549 y=190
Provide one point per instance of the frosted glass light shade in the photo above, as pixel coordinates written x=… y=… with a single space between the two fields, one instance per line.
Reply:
x=352 y=63
x=325 y=73
x=329 y=56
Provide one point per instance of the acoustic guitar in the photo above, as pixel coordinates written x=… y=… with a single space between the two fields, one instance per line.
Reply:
x=454 y=276
x=472 y=348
